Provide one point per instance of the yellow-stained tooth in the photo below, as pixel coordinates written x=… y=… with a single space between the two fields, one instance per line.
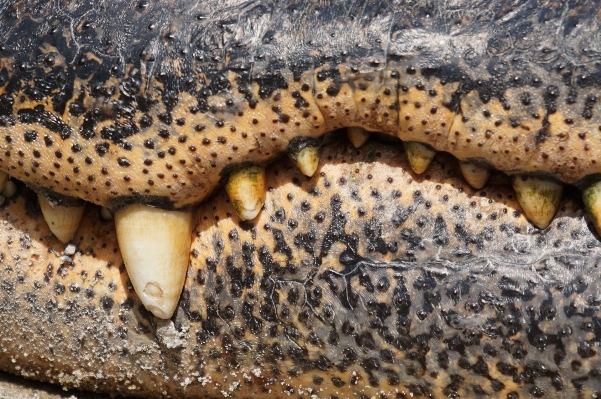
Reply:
x=63 y=221
x=539 y=198
x=357 y=136
x=155 y=245
x=246 y=190
x=592 y=202
x=419 y=155
x=306 y=159
x=476 y=176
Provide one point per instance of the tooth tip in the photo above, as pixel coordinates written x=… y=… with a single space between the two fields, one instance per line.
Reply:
x=246 y=190
x=62 y=221
x=307 y=160
x=420 y=156
x=474 y=175
x=357 y=136
x=539 y=199
x=155 y=253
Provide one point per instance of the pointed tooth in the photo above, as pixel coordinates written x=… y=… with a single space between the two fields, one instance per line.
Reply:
x=357 y=136
x=246 y=190
x=539 y=198
x=592 y=202
x=306 y=159
x=63 y=221
x=476 y=176
x=155 y=245
x=419 y=156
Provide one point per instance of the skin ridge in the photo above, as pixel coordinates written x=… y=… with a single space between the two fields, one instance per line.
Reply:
x=94 y=111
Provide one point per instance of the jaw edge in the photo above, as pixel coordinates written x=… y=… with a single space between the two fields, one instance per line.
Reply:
x=156 y=254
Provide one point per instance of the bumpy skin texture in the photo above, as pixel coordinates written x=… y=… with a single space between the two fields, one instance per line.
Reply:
x=152 y=102
x=365 y=280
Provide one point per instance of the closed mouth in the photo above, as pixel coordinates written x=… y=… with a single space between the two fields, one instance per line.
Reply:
x=320 y=258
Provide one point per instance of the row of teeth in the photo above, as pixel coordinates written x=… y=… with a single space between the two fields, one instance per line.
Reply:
x=153 y=241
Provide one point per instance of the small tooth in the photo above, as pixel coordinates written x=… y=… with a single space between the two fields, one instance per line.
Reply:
x=419 y=155
x=307 y=159
x=155 y=245
x=63 y=221
x=592 y=202
x=539 y=198
x=10 y=189
x=246 y=190
x=476 y=176
x=357 y=136
x=105 y=214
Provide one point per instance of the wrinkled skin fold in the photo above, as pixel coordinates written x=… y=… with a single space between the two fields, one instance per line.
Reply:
x=364 y=279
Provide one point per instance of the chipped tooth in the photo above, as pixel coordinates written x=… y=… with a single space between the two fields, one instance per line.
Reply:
x=306 y=159
x=10 y=189
x=592 y=202
x=539 y=198
x=419 y=155
x=63 y=221
x=476 y=176
x=246 y=190
x=357 y=136
x=155 y=245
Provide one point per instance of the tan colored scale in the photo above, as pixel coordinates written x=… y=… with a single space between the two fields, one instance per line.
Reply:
x=422 y=116
x=488 y=128
x=337 y=111
x=570 y=149
x=376 y=100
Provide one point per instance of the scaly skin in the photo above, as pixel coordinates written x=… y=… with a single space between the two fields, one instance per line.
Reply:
x=154 y=102
x=439 y=291
x=366 y=276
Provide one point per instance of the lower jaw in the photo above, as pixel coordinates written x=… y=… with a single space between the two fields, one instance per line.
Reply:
x=366 y=279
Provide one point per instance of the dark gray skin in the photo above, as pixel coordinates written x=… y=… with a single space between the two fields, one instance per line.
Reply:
x=417 y=294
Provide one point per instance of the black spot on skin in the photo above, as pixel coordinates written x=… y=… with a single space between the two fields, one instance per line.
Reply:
x=106 y=303
x=30 y=136
x=332 y=91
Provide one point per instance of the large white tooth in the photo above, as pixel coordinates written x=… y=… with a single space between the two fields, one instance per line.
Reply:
x=63 y=221
x=476 y=176
x=539 y=198
x=306 y=159
x=357 y=136
x=419 y=155
x=246 y=190
x=155 y=245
